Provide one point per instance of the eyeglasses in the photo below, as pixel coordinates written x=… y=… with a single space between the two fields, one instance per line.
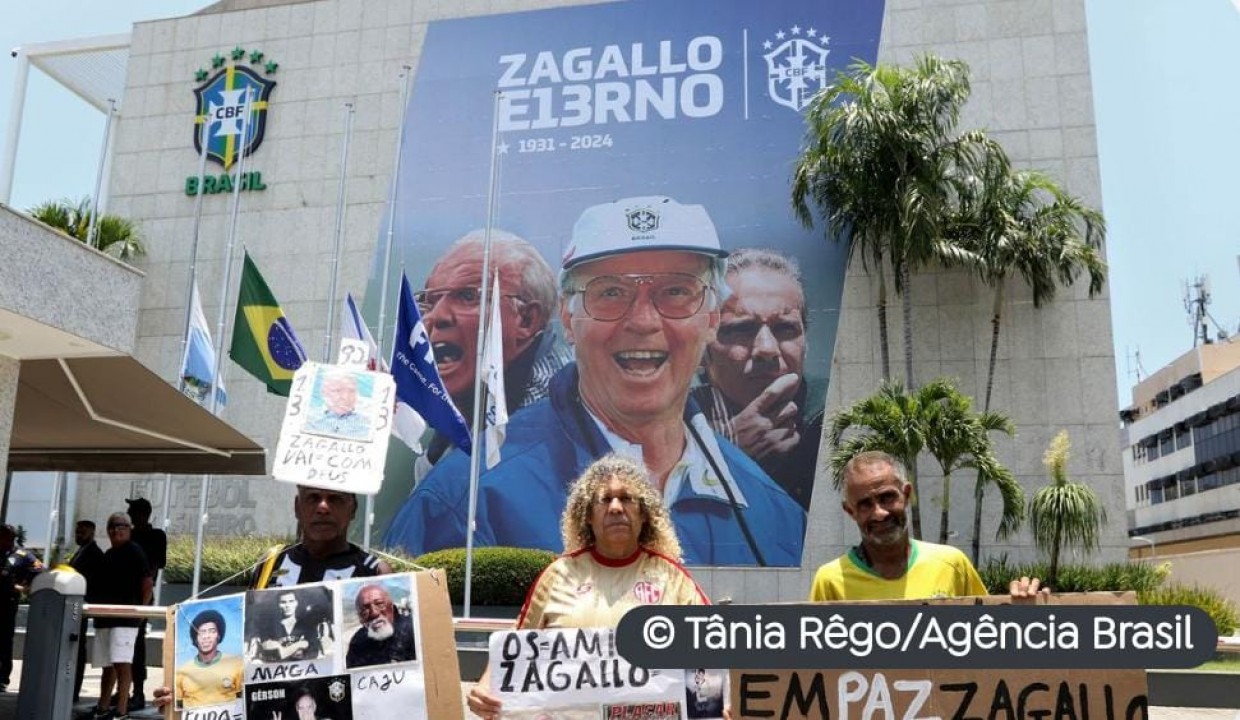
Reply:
x=675 y=296
x=461 y=299
x=625 y=500
x=113 y=526
x=745 y=332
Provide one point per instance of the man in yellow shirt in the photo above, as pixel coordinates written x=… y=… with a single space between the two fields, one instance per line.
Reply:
x=888 y=564
x=211 y=677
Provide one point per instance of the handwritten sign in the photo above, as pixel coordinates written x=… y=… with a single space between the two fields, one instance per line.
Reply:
x=956 y=693
x=577 y=673
x=336 y=428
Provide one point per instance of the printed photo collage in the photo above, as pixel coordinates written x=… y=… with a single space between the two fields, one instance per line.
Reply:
x=344 y=650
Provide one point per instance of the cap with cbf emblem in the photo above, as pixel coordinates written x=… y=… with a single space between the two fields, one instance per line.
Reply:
x=641 y=223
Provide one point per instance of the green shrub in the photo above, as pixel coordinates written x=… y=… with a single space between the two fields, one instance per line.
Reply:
x=228 y=559
x=997 y=573
x=1220 y=609
x=502 y=576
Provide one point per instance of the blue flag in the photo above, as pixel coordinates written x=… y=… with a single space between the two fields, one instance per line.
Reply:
x=418 y=384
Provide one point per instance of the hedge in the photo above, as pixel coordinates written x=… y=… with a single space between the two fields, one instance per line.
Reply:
x=997 y=573
x=228 y=559
x=501 y=575
x=1220 y=609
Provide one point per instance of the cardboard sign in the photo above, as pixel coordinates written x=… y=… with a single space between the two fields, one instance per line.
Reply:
x=576 y=673
x=336 y=428
x=970 y=693
x=377 y=648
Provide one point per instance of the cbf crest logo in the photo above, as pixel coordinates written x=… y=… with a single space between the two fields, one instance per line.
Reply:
x=642 y=220
x=220 y=119
x=796 y=66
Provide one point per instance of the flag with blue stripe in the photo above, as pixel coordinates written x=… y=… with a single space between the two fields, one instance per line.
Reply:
x=418 y=384
x=198 y=363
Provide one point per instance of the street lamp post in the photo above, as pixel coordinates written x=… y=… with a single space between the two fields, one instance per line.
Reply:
x=1148 y=541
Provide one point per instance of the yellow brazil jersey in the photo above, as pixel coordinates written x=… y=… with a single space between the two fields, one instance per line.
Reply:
x=585 y=589
x=933 y=571
x=204 y=684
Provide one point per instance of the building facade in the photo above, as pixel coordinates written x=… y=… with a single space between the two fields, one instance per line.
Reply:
x=1031 y=91
x=1181 y=440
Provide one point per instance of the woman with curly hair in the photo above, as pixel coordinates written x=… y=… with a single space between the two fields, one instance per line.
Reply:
x=620 y=552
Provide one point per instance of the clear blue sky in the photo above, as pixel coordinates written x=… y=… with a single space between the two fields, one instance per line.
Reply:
x=58 y=155
x=1166 y=77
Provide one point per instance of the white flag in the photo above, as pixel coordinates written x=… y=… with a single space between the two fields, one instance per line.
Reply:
x=407 y=425
x=198 y=363
x=353 y=327
x=493 y=374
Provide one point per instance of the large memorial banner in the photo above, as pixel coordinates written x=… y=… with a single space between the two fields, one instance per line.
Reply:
x=655 y=123
x=377 y=648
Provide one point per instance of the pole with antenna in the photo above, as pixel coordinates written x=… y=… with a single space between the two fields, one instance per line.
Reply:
x=221 y=318
x=384 y=281
x=329 y=328
x=475 y=456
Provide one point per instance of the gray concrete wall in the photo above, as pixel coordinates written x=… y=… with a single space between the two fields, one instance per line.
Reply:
x=53 y=280
x=8 y=401
x=1031 y=90
x=1203 y=568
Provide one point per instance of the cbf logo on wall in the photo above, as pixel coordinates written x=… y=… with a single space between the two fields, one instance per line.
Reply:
x=230 y=116
x=796 y=65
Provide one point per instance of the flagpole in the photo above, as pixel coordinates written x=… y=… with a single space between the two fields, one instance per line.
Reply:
x=221 y=318
x=92 y=223
x=205 y=143
x=475 y=457
x=405 y=76
x=329 y=333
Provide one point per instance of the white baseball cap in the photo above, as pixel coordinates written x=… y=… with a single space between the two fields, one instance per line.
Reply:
x=641 y=223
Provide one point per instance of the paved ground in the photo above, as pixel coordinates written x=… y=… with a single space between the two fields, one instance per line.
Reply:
x=90 y=692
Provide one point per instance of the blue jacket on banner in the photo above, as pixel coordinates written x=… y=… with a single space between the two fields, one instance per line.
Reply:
x=549 y=444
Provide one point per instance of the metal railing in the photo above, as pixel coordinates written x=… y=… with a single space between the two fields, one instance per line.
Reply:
x=148 y=612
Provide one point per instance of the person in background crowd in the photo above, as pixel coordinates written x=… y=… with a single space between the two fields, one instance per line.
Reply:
x=126 y=581
x=88 y=562
x=18 y=566
x=154 y=542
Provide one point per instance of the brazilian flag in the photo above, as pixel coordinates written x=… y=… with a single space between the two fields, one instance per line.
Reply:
x=263 y=342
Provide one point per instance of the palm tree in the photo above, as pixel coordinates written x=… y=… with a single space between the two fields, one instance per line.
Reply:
x=883 y=165
x=114 y=235
x=1064 y=512
x=959 y=438
x=1023 y=223
x=898 y=425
